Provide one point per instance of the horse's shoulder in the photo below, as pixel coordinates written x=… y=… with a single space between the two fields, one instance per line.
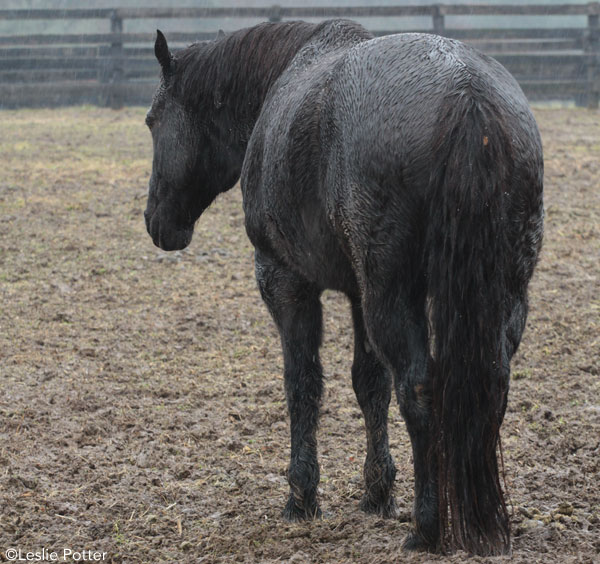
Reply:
x=297 y=92
x=318 y=58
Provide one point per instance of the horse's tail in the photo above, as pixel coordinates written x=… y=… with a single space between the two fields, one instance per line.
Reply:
x=467 y=247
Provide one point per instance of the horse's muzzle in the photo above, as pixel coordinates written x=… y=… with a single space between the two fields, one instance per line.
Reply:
x=165 y=236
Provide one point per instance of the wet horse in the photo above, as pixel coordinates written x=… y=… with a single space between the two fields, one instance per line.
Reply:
x=404 y=171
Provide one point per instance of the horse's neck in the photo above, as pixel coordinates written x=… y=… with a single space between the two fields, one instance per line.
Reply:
x=252 y=61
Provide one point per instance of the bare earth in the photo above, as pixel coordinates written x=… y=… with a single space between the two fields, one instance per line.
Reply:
x=142 y=411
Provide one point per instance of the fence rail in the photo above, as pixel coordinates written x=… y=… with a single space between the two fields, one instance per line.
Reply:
x=311 y=11
x=117 y=67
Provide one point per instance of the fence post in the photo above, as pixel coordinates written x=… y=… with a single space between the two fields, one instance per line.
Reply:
x=437 y=14
x=275 y=13
x=116 y=63
x=592 y=55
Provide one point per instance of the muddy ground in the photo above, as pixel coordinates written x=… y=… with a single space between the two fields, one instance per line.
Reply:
x=142 y=411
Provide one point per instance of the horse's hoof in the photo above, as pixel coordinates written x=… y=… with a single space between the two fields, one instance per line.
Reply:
x=416 y=543
x=294 y=513
x=386 y=509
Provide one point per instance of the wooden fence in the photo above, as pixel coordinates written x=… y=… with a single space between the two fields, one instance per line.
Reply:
x=118 y=68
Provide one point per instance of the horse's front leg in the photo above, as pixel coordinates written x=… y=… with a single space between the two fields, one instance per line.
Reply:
x=295 y=306
x=373 y=388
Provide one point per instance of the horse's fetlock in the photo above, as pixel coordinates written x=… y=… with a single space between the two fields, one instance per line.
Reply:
x=300 y=508
x=380 y=470
x=382 y=505
x=303 y=475
x=379 y=474
x=418 y=543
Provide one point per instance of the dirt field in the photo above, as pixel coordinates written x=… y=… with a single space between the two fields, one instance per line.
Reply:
x=142 y=411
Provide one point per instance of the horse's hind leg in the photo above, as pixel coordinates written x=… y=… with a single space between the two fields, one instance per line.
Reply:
x=372 y=386
x=296 y=308
x=397 y=325
x=413 y=390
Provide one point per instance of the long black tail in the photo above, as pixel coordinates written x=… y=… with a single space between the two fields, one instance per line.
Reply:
x=467 y=251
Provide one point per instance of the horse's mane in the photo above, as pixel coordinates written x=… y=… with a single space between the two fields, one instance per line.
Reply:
x=242 y=64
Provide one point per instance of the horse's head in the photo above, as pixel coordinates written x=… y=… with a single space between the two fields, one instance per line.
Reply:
x=192 y=163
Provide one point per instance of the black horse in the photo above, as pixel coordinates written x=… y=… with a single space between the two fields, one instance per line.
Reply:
x=404 y=171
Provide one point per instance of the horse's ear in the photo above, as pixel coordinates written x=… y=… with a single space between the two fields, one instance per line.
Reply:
x=220 y=34
x=161 y=50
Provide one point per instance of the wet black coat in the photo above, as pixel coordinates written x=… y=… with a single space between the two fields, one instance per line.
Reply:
x=405 y=171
